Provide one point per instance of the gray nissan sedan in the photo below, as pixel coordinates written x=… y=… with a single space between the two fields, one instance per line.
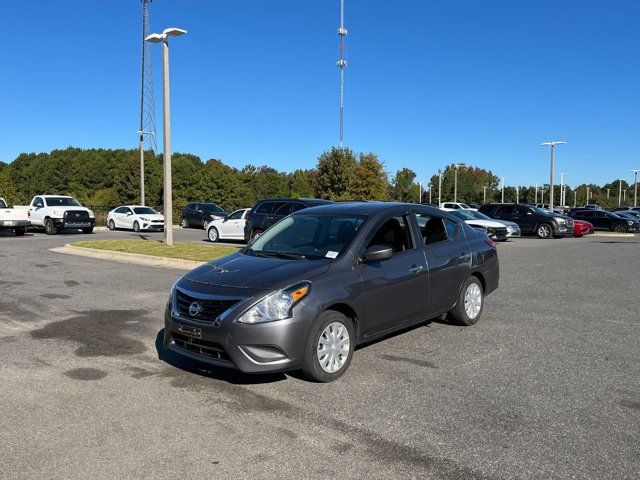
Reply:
x=326 y=279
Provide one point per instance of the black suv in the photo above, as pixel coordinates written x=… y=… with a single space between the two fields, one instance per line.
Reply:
x=531 y=220
x=270 y=210
x=198 y=214
x=602 y=220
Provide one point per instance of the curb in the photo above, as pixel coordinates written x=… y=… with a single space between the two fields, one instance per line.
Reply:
x=123 y=257
x=612 y=234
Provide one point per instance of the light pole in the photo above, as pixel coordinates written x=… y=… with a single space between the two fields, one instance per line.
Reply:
x=455 y=181
x=587 y=196
x=484 y=194
x=553 y=148
x=419 y=192
x=439 y=188
x=168 y=193
x=517 y=194
x=608 y=189
x=620 y=193
x=542 y=197
x=142 y=133
x=502 y=190
x=635 y=187
x=562 y=188
x=536 y=201
x=430 y=191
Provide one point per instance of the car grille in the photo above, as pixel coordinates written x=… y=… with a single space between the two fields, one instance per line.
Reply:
x=157 y=221
x=201 y=347
x=210 y=309
x=75 y=216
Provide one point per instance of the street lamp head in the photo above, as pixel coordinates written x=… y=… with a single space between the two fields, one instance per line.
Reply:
x=155 y=38
x=142 y=132
x=174 y=32
x=551 y=144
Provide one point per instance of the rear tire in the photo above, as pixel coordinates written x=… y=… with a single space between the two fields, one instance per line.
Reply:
x=20 y=231
x=256 y=233
x=544 y=231
x=332 y=329
x=213 y=234
x=470 y=303
x=136 y=226
x=184 y=223
x=49 y=228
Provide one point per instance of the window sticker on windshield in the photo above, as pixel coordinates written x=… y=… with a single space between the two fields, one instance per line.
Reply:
x=331 y=254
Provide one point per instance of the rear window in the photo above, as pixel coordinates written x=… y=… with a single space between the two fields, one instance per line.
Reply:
x=2 y=204
x=505 y=210
x=265 y=207
x=282 y=209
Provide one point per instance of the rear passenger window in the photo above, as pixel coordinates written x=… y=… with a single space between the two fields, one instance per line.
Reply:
x=432 y=228
x=451 y=228
x=522 y=210
x=505 y=210
x=394 y=233
x=265 y=207
x=298 y=206
x=282 y=209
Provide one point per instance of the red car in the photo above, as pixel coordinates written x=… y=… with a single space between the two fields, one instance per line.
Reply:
x=580 y=228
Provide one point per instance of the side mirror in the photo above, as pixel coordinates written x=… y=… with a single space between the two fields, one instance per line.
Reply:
x=376 y=253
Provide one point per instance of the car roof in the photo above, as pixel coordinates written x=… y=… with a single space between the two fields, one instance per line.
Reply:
x=366 y=208
x=52 y=196
x=291 y=199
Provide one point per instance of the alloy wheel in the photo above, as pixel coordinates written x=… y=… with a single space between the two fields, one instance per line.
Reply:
x=473 y=300
x=213 y=235
x=544 y=231
x=333 y=347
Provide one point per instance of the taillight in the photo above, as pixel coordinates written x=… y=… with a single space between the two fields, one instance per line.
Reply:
x=28 y=213
x=491 y=243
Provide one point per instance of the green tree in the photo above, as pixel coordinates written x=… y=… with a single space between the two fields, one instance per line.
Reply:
x=335 y=173
x=369 y=180
x=403 y=187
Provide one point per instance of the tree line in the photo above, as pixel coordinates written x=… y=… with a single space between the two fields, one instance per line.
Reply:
x=104 y=178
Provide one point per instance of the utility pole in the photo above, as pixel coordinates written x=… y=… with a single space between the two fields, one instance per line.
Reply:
x=439 y=188
x=168 y=192
x=620 y=194
x=635 y=187
x=484 y=194
x=342 y=64
x=536 y=195
x=419 y=192
x=542 y=195
x=551 y=174
x=575 y=197
x=430 y=192
x=517 y=194
x=587 y=196
x=608 y=190
x=502 y=190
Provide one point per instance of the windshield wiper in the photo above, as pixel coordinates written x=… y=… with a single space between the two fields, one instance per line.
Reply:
x=293 y=256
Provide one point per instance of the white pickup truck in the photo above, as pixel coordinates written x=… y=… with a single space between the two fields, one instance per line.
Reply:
x=58 y=212
x=15 y=219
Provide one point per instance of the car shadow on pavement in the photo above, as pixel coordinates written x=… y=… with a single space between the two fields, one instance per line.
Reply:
x=217 y=373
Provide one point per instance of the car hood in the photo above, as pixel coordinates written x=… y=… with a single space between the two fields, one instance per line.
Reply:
x=64 y=209
x=258 y=273
x=154 y=216
x=484 y=223
x=508 y=223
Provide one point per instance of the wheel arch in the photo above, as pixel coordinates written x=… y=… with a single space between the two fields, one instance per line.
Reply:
x=348 y=312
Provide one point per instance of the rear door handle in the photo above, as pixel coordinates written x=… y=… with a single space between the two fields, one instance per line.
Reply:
x=416 y=268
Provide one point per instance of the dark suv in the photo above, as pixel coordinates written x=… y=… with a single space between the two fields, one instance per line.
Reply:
x=532 y=220
x=603 y=220
x=270 y=210
x=199 y=214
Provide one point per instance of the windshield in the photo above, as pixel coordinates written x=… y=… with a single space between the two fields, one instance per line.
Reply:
x=211 y=207
x=144 y=211
x=2 y=204
x=62 y=202
x=308 y=236
x=463 y=215
x=540 y=211
x=478 y=215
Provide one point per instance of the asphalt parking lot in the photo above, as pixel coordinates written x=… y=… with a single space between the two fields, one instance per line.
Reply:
x=547 y=385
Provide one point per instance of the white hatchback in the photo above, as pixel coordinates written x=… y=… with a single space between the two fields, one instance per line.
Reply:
x=229 y=228
x=136 y=218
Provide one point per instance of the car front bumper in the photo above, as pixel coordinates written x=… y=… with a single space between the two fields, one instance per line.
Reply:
x=251 y=348
x=149 y=226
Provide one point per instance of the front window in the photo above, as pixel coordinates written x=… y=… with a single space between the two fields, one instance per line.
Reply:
x=235 y=215
x=432 y=228
x=394 y=233
x=62 y=202
x=308 y=236
x=144 y=211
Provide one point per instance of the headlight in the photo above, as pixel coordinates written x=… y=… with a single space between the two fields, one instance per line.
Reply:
x=277 y=305
x=91 y=213
x=144 y=219
x=58 y=213
x=561 y=220
x=630 y=222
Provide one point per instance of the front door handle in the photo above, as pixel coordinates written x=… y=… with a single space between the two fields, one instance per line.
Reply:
x=416 y=268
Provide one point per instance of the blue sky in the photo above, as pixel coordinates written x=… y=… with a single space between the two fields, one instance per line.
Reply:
x=254 y=81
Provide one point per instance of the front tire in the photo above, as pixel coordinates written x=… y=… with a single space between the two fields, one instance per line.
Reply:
x=544 y=231
x=619 y=228
x=87 y=230
x=213 y=234
x=112 y=225
x=50 y=228
x=136 y=226
x=470 y=303
x=184 y=223
x=329 y=347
